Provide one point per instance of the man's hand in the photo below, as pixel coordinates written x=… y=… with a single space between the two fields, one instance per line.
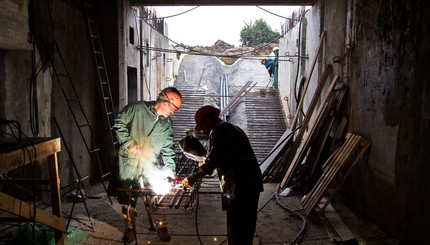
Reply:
x=135 y=149
x=189 y=181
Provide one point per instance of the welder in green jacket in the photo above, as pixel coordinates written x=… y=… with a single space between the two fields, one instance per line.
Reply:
x=144 y=131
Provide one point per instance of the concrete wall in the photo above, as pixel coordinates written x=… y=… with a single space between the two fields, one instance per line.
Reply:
x=389 y=93
x=153 y=66
x=14 y=34
x=157 y=64
x=379 y=49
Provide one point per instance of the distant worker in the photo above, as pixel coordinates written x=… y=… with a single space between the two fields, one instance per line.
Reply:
x=231 y=154
x=144 y=131
x=271 y=64
x=275 y=67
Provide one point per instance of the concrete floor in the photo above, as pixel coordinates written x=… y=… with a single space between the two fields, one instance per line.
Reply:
x=275 y=225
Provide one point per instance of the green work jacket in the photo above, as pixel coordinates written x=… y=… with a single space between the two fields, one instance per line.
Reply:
x=139 y=124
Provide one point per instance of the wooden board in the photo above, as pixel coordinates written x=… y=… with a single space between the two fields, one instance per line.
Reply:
x=342 y=230
x=21 y=208
x=337 y=163
x=298 y=144
x=15 y=158
x=276 y=150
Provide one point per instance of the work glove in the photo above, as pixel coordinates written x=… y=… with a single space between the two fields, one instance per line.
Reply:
x=189 y=181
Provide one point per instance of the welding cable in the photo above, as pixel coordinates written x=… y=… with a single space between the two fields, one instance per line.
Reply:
x=196 y=219
x=296 y=212
x=299 y=96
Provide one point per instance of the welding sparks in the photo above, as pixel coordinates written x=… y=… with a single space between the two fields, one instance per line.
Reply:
x=158 y=179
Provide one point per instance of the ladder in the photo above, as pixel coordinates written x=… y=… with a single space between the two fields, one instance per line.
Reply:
x=99 y=61
x=60 y=73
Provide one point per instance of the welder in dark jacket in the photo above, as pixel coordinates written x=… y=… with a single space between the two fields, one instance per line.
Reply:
x=231 y=154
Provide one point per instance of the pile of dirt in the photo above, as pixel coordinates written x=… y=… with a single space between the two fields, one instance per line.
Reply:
x=222 y=48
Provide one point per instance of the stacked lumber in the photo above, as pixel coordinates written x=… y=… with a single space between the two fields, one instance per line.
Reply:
x=336 y=169
x=314 y=132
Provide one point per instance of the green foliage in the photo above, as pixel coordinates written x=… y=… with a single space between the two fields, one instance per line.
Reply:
x=257 y=33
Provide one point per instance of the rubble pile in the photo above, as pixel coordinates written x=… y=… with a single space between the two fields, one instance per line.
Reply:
x=222 y=48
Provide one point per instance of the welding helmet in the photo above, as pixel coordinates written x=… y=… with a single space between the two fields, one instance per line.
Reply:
x=172 y=95
x=202 y=112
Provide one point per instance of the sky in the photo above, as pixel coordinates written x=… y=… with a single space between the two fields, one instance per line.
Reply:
x=205 y=25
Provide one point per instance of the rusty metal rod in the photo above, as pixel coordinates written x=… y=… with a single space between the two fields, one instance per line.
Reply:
x=172 y=202
x=160 y=200
x=178 y=202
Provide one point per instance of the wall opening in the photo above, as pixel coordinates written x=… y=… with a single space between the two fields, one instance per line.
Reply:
x=132 y=84
x=131 y=35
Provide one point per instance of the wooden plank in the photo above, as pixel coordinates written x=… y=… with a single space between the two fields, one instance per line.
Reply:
x=16 y=158
x=276 y=149
x=298 y=139
x=317 y=149
x=55 y=191
x=337 y=223
x=332 y=169
x=363 y=143
x=26 y=210
x=332 y=172
x=314 y=195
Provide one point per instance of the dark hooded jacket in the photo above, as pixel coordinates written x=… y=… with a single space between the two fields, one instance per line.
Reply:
x=230 y=152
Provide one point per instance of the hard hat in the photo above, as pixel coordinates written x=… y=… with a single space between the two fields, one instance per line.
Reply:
x=275 y=48
x=173 y=96
x=202 y=112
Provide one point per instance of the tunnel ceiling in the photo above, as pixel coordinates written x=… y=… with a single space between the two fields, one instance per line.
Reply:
x=220 y=2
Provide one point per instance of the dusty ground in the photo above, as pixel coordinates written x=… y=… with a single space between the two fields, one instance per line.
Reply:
x=275 y=225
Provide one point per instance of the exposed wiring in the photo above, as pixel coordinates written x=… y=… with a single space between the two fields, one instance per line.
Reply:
x=170 y=16
x=287 y=18
x=298 y=60
x=140 y=41
x=26 y=152
x=249 y=57
x=203 y=53
x=37 y=67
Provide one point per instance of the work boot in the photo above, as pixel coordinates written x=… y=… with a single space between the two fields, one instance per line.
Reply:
x=128 y=236
x=162 y=231
x=129 y=220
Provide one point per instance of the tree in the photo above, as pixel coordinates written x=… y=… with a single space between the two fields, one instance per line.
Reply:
x=257 y=33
